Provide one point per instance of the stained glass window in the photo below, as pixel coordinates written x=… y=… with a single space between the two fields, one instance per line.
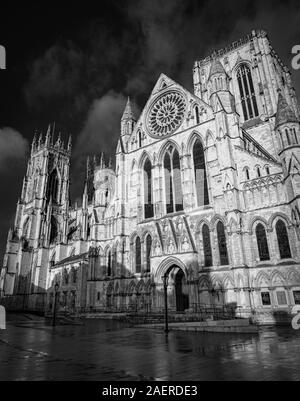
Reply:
x=166 y=114
x=173 y=186
x=262 y=242
x=222 y=244
x=148 y=252
x=177 y=182
x=148 y=202
x=200 y=174
x=283 y=240
x=138 y=255
x=206 y=246
x=168 y=184
x=247 y=93
x=197 y=115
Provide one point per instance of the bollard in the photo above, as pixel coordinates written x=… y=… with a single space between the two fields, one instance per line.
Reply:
x=2 y=318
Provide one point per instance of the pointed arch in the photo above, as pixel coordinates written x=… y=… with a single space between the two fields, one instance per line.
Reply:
x=173 y=184
x=196 y=113
x=262 y=242
x=222 y=244
x=262 y=280
x=53 y=186
x=144 y=156
x=247 y=92
x=138 y=255
x=167 y=147
x=276 y=278
x=283 y=240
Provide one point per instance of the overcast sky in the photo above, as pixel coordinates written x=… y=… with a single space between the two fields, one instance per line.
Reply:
x=76 y=65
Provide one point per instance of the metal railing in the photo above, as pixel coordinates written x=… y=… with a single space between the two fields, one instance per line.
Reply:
x=196 y=312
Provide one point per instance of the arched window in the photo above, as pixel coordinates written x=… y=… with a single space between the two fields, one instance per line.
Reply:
x=267 y=170
x=283 y=240
x=168 y=183
x=200 y=174
x=177 y=182
x=197 y=115
x=222 y=244
x=287 y=136
x=138 y=266
x=148 y=202
x=140 y=139
x=25 y=232
x=148 y=252
x=53 y=230
x=173 y=188
x=295 y=135
x=262 y=242
x=247 y=173
x=52 y=187
x=258 y=172
x=247 y=93
x=109 y=263
x=206 y=246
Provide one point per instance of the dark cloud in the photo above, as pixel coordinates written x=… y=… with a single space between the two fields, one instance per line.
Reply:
x=13 y=149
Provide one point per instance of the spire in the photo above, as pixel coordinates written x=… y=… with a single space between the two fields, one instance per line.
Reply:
x=40 y=141
x=128 y=113
x=109 y=163
x=58 y=142
x=285 y=114
x=85 y=195
x=102 y=161
x=34 y=142
x=216 y=68
x=87 y=166
x=48 y=135
x=70 y=142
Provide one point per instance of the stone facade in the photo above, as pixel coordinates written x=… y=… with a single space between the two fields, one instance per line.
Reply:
x=205 y=190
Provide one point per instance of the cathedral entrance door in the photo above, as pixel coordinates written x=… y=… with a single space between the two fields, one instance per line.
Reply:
x=182 y=299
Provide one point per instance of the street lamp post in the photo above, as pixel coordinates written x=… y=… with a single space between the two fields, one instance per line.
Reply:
x=165 y=278
x=55 y=302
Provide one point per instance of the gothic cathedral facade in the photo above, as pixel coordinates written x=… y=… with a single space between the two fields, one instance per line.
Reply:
x=205 y=191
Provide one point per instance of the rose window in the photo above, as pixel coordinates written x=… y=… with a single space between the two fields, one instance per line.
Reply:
x=166 y=114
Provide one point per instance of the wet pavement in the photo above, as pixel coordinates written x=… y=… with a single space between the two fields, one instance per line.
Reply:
x=31 y=349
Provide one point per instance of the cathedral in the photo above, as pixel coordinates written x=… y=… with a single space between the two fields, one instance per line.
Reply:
x=204 y=198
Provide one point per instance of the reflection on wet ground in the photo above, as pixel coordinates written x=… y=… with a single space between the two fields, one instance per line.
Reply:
x=110 y=350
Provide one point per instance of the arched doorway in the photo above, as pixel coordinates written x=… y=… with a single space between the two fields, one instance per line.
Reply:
x=181 y=297
x=173 y=274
